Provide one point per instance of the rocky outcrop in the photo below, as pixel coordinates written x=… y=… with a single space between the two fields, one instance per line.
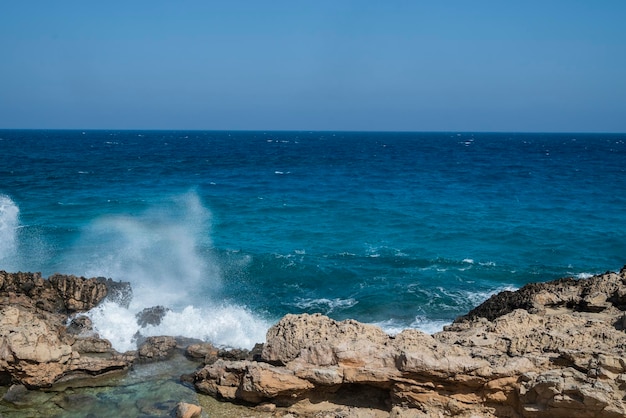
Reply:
x=595 y=294
x=156 y=348
x=555 y=349
x=58 y=294
x=37 y=349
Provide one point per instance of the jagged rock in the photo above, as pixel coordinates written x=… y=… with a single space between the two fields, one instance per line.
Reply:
x=91 y=345
x=78 y=293
x=157 y=348
x=311 y=333
x=81 y=326
x=151 y=316
x=554 y=349
x=595 y=294
x=210 y=354
x=59 y=294
x=117 y=292
x=206 y=351
x=36 y=348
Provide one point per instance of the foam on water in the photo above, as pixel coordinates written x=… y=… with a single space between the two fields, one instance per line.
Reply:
x=224 y=325
x=166 y=256
x=324 y=305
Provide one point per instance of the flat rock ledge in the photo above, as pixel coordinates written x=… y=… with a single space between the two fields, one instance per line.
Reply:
x=553 y=349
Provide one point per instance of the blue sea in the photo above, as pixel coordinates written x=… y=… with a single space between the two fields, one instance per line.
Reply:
x=232 y=230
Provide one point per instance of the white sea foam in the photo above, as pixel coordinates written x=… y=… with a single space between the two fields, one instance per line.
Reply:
x=429 y=326
x=324 y=305
x=584 y=275
x=165 y=254
x=9 y=222
x=227 y=325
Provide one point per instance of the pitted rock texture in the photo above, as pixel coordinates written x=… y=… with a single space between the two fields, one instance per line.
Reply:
x=37 y=347
x=555 y=349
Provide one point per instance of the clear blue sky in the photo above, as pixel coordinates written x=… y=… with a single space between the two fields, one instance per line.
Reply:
x=314 y=65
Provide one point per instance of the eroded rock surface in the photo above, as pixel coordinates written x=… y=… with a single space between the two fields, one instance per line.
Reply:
x=37 y=349
x=554 y=349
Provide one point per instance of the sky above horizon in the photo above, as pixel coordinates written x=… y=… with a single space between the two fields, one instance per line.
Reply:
x=542 y=66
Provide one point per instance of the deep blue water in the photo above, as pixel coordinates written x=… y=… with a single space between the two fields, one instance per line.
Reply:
x=234 y=229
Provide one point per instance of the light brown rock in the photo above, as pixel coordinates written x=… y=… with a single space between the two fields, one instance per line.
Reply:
x=37 y=349
x=188 y=410
x=553 y=349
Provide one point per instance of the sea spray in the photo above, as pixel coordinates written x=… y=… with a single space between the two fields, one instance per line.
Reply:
x=222 y=325
x=9 y=222
x=165 y=253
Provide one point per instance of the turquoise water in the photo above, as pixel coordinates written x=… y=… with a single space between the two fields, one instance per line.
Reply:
x=234 y=229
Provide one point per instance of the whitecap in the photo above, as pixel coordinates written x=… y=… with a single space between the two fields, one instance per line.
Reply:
x=9 y=223
x=226 y=325
x=323 y=305
x=584 y=275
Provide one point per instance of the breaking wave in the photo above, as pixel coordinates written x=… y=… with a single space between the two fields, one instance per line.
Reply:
x=9 y=223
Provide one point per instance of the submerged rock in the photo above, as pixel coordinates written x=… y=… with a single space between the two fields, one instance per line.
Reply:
x=187 y=410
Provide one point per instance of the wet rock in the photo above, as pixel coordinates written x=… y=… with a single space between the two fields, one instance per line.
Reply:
x=151 y=316
x=117 y=292
x=595 y=294
x=81 y=326
x=37 y=349
x=206 y=352
x=17 y=395
x=156 y=348
x=78 y=293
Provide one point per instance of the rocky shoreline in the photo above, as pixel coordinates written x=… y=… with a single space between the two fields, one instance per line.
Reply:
x=555 y=349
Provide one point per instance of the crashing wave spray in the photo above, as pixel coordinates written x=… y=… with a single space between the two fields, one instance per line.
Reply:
x=9 y=222
x=165 y=253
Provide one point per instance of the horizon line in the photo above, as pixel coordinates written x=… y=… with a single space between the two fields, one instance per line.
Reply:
x=314 y=131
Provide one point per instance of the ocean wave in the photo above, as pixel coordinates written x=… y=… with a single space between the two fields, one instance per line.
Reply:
x=323 y=305
x=583 y=275
x=422 y=323
x=9 y=223
x=161 y=251
x=225 y=325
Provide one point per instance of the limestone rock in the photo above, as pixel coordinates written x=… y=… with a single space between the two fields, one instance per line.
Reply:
x=157 y=348
x=78 y=293
x=308 y=335
x=81 y=326
x=552 y=349
x=595 y=294
x=36 y=348
x=205 y=351
x=187 y=410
